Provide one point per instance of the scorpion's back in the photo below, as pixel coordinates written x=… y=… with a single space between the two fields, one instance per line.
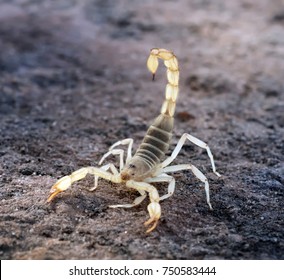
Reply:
x=157 y=140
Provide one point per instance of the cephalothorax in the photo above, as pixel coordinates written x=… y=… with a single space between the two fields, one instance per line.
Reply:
x=148 y=165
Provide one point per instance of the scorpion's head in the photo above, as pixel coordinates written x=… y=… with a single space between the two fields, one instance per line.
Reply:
x=136 y=169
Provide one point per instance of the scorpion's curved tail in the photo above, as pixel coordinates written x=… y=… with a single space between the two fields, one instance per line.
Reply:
x=170 y=61
x=157 y=139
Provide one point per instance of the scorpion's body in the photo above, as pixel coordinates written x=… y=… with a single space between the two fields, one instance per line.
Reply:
x=151 y=151
x=148 y=164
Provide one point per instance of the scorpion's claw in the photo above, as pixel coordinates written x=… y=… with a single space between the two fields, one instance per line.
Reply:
x=154 y=209
x=151 y=220
x=53 y=193
x=58 y=187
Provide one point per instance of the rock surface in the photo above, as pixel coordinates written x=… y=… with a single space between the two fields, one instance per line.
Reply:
x=73 y=81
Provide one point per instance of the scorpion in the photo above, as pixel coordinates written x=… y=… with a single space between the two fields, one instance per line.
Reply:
x=148 y=165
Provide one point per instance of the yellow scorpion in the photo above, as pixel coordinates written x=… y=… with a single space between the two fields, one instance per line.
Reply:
x=148 y=165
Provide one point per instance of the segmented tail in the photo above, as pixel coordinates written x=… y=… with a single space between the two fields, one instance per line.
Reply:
x=157 y=139
x=170 y=61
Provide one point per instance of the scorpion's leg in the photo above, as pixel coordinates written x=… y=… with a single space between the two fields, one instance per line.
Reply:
x=65 y=182
x=129 y=142
x=196 y=172
x=195 y=141
x=154 y=207
x=136 y=201
x=105 y=168
x=119 y=152
x=164 y=178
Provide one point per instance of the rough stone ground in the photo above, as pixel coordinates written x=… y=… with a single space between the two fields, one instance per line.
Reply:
x=73 y=81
